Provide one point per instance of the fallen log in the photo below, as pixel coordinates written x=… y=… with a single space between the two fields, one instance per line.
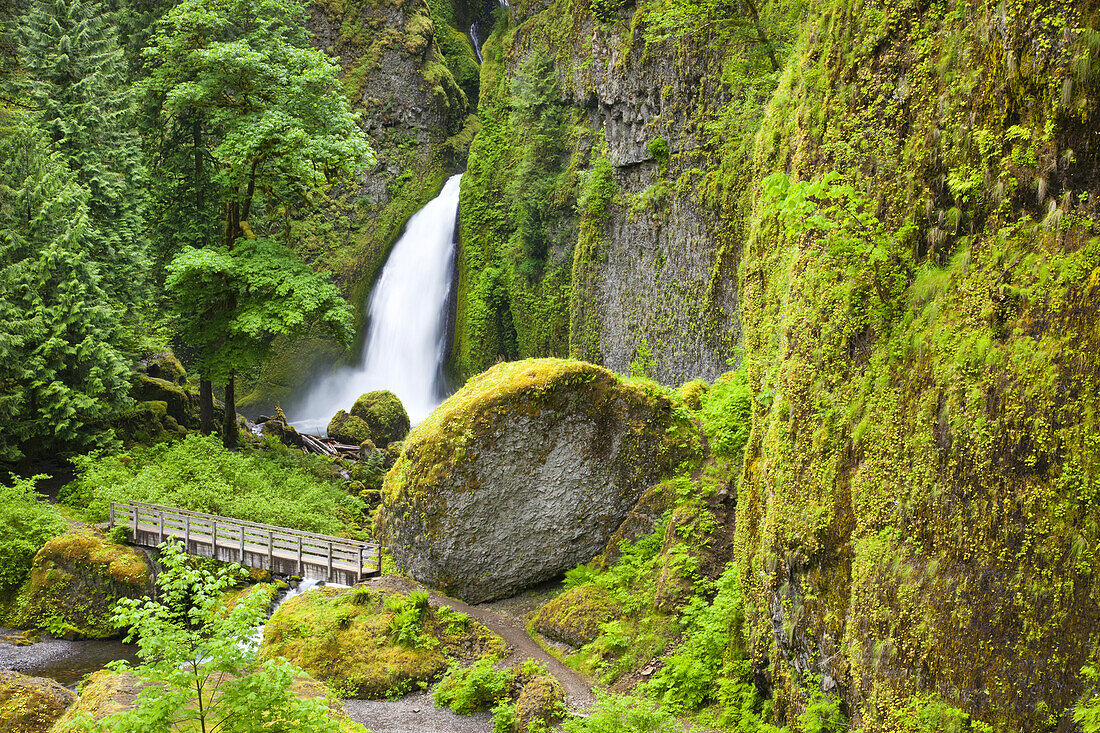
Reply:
x=316 y=445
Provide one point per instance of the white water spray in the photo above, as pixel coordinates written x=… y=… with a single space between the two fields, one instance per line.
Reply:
x=302 y=587
x=406 y=336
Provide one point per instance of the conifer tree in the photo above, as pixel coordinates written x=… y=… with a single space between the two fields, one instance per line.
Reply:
x=75 y=77
x=62 y=376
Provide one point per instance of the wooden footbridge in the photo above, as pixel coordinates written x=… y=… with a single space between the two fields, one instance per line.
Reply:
x=278 y=549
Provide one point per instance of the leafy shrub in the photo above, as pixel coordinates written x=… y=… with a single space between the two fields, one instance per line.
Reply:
x=727 y=413
x=504 y=717
x=624 y=714
x=26 y=523
x=282 y=488
x=822 y=713
x=479 y=687
x=407 y=622
x=711 y=665
x=1087 y=712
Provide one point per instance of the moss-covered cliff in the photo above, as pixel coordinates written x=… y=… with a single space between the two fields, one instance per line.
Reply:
x=915 y=298
x=583 y=231
x=918 y=512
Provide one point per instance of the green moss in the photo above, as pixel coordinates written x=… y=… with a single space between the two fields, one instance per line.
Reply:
x=384 y=416
x=348 y=429
x=30 y=704
x=74 y=582
x=106 y=693
x=347 y=639
x=574 y=617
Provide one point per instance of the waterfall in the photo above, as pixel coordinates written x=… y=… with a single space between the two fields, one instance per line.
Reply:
x=476 y=42
x=407 y=324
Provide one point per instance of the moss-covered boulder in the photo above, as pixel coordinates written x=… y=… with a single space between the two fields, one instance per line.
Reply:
x=75 y=581
x=348 y=429
x=370 y=643
x=149 y=422
x=574 y=617
x=539 y=705
x=384 y=415
x=30 y=704
x=285 y=434
x=180 y=404
x=525 y=473
x=164 y=365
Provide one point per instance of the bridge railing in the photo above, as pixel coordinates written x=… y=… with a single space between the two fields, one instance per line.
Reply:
x=279 y=549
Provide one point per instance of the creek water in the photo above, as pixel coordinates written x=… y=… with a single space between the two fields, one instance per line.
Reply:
x=406 y=336
x=68 y=662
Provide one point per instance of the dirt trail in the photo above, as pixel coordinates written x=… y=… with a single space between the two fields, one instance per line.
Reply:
x=511 y=628
x=416 y=714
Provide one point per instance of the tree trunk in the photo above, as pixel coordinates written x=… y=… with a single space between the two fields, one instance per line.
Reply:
x=229 y=437
x=206 y=406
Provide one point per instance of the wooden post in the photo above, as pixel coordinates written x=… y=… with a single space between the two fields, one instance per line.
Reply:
x=135 y=524
x=214 y=538
x=187 y=533
x=271 y=550
x=160 y=524
x=301 y=572
x=111 y=516
x=378 y=549
x=242 y=544
x=329 y=580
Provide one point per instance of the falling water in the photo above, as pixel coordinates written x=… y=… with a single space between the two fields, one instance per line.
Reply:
x=406 y=336
x=476 y=42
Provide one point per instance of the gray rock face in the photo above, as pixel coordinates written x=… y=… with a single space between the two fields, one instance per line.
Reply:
x=523 y=474
x=659 y=282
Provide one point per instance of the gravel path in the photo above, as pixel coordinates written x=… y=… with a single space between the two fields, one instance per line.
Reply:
x=415 y=714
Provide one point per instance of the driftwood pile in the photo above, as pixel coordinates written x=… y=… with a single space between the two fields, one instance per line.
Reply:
x=328 y=447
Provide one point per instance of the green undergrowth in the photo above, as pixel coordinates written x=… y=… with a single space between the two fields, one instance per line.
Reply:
x=368 y=643
x=273 y=486
x=524 y=698
x=27 y=521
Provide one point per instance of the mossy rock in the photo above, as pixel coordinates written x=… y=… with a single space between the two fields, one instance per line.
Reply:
x=348 y=429
x=391 y=454
x=539 y=705
x=180 y=404
x=691 y=394
x=31 y=704
x=149 y=422
x=574 y=616
x=526 y=472
x=384 y=415
x=349 y=639
x=164 y=366
x=285 y=434
x=74 y=583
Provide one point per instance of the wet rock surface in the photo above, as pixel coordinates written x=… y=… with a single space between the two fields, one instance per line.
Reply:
x=525 y=473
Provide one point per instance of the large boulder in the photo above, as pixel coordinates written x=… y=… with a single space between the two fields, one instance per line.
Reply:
x=30 y=704
x=164 y=366
x=384 y=415
x=524 y=473
x=75 y=581
x=182 y=405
